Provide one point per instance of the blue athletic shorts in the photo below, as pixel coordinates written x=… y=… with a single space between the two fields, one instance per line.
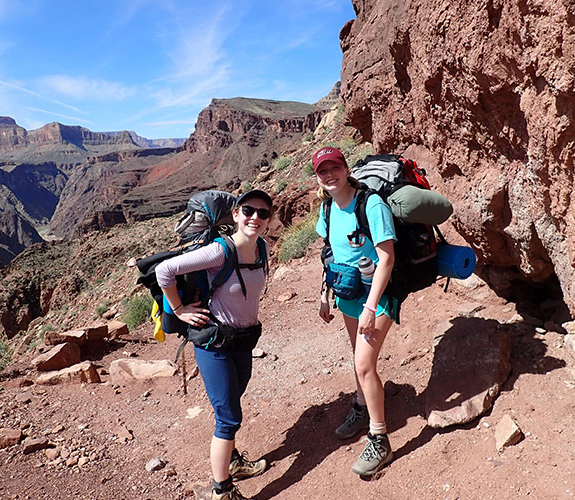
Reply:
x=353 y=308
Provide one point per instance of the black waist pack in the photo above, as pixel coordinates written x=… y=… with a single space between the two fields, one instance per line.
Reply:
x=225 y=337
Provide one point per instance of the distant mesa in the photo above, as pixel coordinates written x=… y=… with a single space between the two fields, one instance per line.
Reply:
x=67 y=180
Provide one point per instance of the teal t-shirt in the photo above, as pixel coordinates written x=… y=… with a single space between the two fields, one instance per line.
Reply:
x=344 y=222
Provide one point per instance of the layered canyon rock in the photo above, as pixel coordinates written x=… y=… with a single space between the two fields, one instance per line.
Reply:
x=16 y=233
x=234 y=140
x=483 y=95
x=36 y=165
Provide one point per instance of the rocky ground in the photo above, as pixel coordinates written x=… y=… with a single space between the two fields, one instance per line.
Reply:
x=102 y=437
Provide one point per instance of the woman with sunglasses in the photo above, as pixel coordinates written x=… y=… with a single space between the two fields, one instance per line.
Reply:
x=368 y=318
x=226 y=372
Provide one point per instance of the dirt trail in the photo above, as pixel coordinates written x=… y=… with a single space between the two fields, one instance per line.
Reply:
x=300 y=391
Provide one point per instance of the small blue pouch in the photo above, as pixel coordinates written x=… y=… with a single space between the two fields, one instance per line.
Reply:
x=344 y=280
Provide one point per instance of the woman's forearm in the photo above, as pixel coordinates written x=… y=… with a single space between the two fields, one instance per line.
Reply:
x=382 y=272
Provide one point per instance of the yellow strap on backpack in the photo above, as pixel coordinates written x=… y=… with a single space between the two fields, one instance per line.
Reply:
x=156 y=317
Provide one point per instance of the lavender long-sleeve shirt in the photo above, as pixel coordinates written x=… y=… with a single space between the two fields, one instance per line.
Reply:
x=228 y=303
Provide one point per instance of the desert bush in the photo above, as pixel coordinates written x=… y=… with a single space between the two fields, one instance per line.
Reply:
x=308 y=169
x=282 y=163
x=5 y=355
x=138 y=311
x=246 y=186
x=297 y=238
x=102 y=308
x=339 y=113
x=359 y=153
x=280 y=186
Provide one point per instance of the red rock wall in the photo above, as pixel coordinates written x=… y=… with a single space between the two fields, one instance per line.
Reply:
x=481 y=93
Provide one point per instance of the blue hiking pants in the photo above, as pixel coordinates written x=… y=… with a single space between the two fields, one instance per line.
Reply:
x=226 y=375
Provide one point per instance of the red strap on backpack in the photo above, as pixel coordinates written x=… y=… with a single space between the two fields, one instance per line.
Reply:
x=414 y=173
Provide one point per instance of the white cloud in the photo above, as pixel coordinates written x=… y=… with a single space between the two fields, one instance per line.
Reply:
x=25 y=90
x=83 y=88
x=67 y=117
x=198 y=52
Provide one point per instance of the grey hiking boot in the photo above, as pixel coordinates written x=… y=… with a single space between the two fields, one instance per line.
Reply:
x=242 y=468
x=375 y=456
x=357 y=420
x=231 y=494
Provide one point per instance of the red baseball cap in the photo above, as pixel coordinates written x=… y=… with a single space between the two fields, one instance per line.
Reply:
x=328 y=153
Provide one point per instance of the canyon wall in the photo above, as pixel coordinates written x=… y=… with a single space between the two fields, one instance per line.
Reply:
x=481 y=94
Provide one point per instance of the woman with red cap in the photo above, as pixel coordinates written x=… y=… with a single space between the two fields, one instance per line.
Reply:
x=369 y=317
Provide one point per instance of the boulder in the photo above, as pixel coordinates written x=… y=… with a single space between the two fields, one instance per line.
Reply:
x=9 y=437
x=97 y=332
x=123 y=371
x=117 y=329
x=471 y=362
x=30 y=445
x=71 y=336
x=60 y=356
x=84 y=372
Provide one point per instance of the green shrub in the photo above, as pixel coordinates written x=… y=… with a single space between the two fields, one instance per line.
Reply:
x=282 y=163
x=280 y=186
x=5 y=355
x=102 y=308
x=308 y=169
x=346 y=146
x=138 y=311
x=246 y=186
x=296 y=239
x=359 y=154
x=339 y=113
x=308 y=137
x=46 y=328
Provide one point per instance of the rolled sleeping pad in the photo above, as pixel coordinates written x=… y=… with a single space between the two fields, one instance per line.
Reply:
x=170 y=322
x=414 y=204
x=455 y=261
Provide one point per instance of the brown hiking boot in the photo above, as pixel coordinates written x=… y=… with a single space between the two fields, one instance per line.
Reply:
x=231 y=494
x=242 y=468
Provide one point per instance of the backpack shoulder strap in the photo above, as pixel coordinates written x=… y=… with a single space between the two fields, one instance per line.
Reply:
x=262 y=250
x=360 y=212
x=230 y=263
x=326 y=207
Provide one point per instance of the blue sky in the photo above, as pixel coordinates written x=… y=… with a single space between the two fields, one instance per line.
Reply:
x=152 y=65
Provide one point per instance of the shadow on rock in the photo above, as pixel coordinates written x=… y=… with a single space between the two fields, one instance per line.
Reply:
x=474 y=359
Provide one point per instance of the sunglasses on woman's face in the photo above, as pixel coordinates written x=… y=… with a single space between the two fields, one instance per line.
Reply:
x=248 y=211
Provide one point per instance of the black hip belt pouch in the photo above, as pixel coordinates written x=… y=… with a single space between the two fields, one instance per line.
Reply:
x=225 y=337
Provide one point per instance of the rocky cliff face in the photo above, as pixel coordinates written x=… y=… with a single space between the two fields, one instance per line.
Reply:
x=483 y=95
x=14 y=137
x=234 y=140
x=92 y=197
x=256 y=122
x=35 y=167
x=16 y=234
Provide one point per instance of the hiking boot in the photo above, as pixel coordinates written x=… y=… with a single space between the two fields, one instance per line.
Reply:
x=242 y=468
x=231 y=494
x=376 y=455
x=357 y=420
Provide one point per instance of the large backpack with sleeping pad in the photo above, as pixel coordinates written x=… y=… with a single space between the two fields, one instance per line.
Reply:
x=208 y=218
x=417 y=211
